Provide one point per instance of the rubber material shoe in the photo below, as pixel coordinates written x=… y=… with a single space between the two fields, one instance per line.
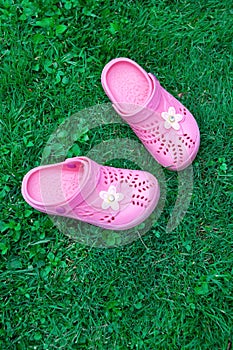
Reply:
x=81 y=189
x=166 y=128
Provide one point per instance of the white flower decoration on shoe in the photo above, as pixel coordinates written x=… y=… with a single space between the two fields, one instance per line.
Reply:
x=111 y=198
x=171 y=119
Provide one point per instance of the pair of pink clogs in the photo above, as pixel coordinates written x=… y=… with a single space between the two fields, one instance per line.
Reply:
x=113 y=198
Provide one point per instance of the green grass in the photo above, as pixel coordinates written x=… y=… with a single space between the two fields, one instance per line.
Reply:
x=167 y=290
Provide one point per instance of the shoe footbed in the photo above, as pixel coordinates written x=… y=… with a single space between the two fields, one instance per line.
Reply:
x=128 y=85
x=50 y=186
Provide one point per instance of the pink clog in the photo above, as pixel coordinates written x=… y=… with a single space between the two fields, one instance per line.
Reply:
x=165 y=127
x=104 y=196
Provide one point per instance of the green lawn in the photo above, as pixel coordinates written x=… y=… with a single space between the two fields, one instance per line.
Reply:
x=165 y=291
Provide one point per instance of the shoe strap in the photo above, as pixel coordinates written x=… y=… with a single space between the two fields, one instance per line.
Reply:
x=91 y=180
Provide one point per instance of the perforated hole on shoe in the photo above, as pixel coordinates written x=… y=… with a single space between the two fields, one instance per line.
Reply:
x=141 y=187
x=183 y=111
x=149 y=133
x=169 y=149
x=107 y=219
x=142 y=190
x=187 y=141
x=150 y=127
x=140 y=195
x=114 y=175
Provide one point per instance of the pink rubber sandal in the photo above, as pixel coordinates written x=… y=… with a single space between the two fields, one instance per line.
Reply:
x=104 y=196
x=165 y=127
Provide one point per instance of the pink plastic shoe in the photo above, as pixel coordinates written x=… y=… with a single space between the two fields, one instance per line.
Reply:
x=165 y=127
x=104 y=196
